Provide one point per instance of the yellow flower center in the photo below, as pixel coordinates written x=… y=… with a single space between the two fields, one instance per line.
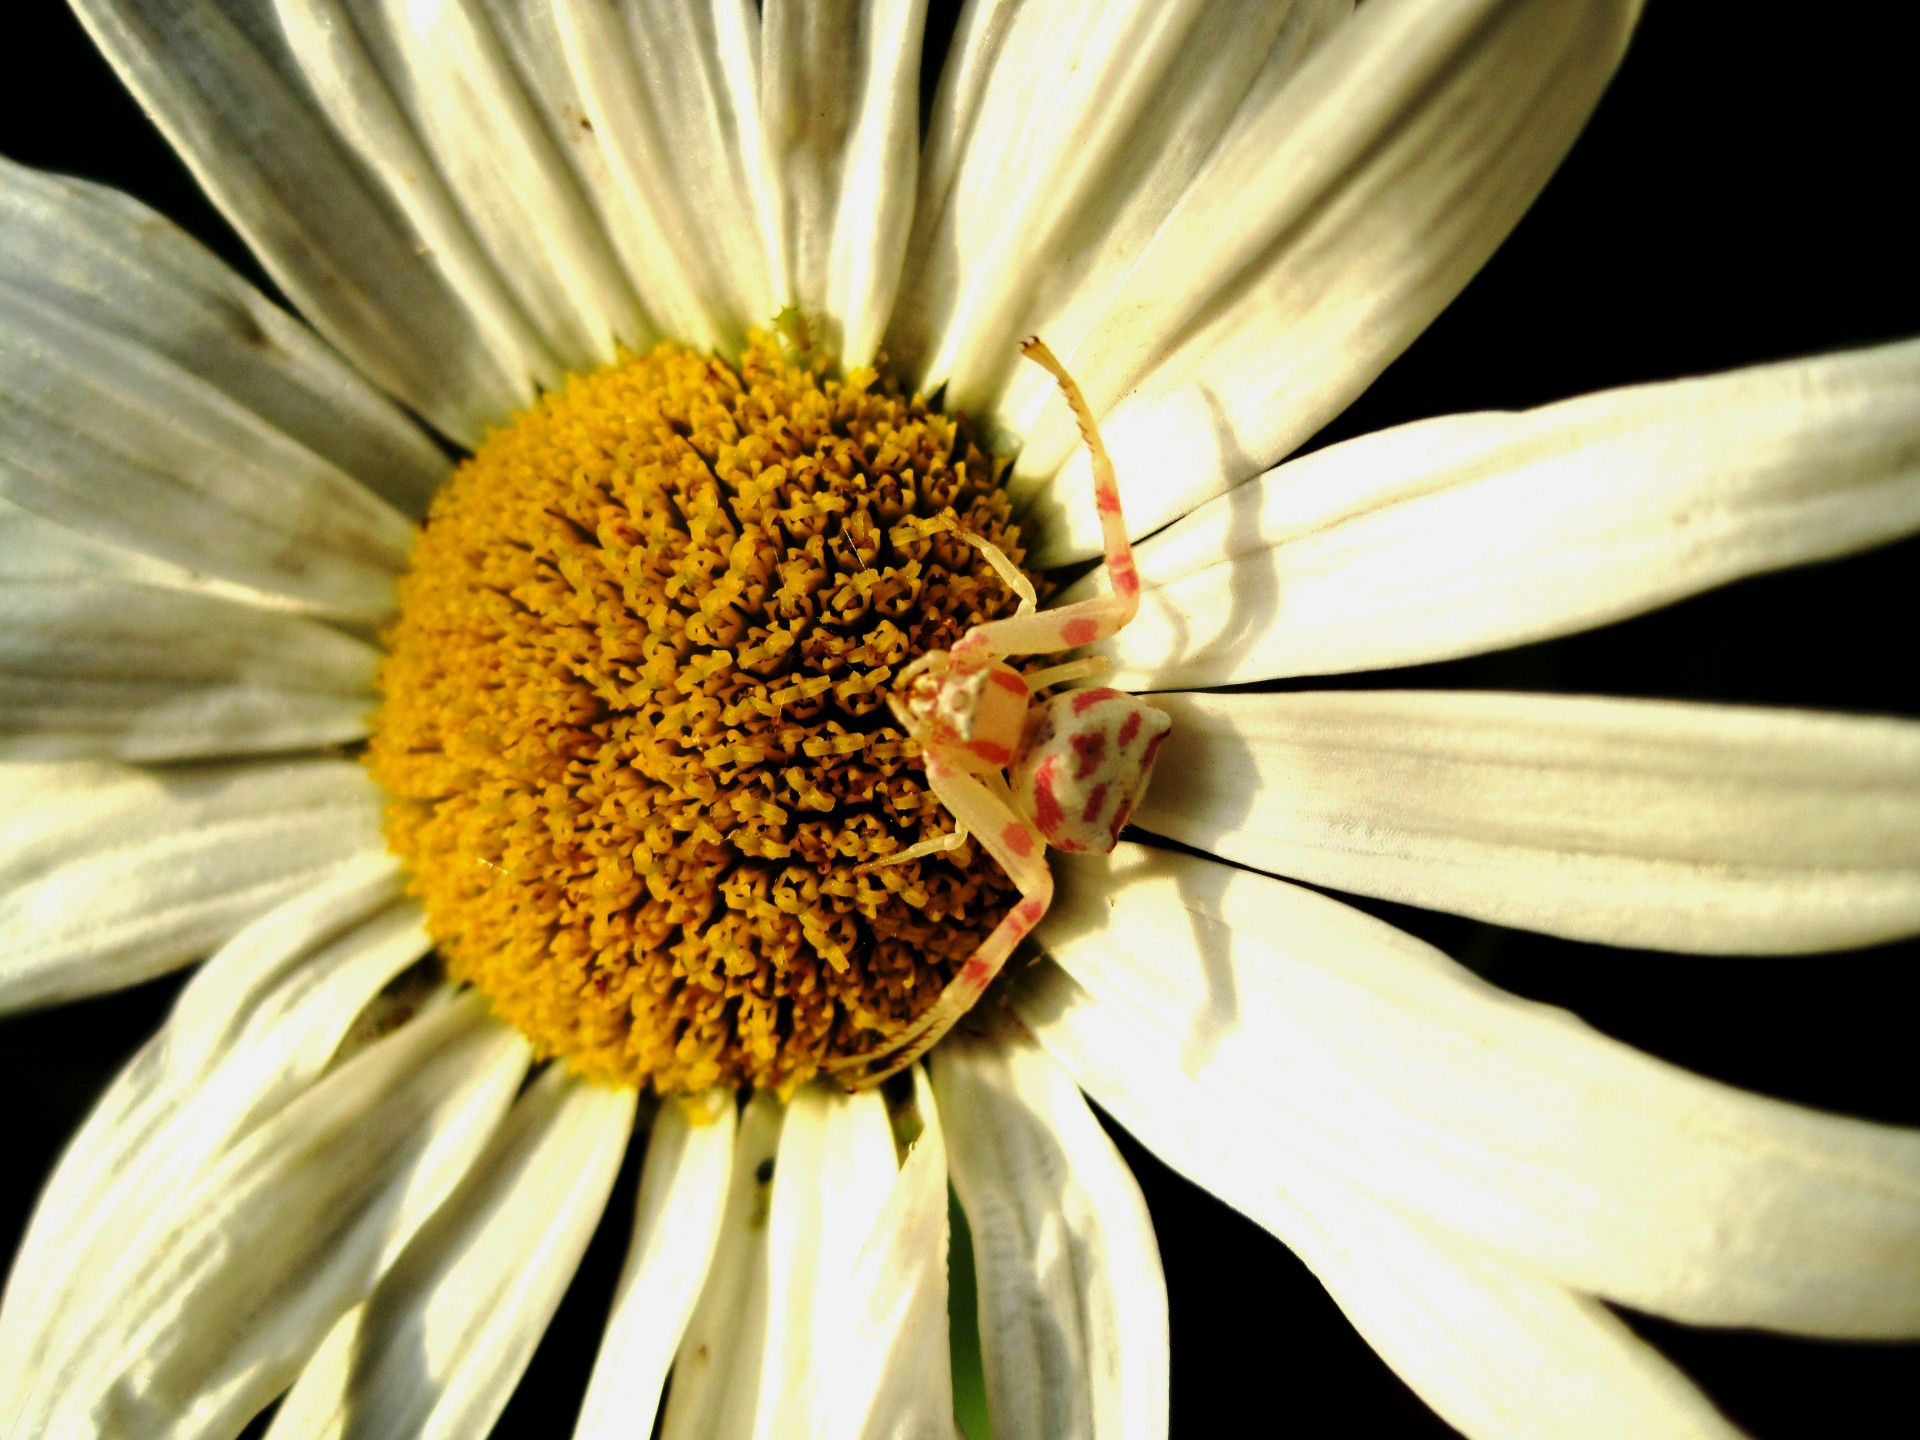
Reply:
x=633 y=715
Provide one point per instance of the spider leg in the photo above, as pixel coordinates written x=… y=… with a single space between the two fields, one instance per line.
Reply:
x=1072 y=626
x=1007 y=571
x=1084 y=669
x=952 y=840
x=1017 y=845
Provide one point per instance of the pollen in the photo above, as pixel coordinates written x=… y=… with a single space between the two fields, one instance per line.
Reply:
x=633 y=723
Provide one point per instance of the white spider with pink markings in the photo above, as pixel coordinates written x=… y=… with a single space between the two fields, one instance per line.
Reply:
x=1015 y=774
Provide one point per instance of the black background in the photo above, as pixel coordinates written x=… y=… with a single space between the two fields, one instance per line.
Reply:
x=1740 y=196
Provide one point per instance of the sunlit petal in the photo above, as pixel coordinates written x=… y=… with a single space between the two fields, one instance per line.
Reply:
x=1630 y=822
x=236 y=1281
x=1510 y=1122
x=110 y=874
x=438 y=1347
x=1469 y=533
x=221 y=81
x=683 y=1193
x=1336 y=218
x=1502 y=1352
x=1073 y=1304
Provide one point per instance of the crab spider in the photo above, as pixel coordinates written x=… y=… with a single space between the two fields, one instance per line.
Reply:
x=1016 y=773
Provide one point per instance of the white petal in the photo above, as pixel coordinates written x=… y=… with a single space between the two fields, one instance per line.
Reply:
x=683 y=1192
x=219 y=79
x=1511 y=1122
x=716 y=1375
x=1073 y=1304
x=529 y=32
x=109 y=875
x=242 y=1276
x=1341 y=214
x=440 y=1344
x=35 y=548
x=346 y=61
x=517 y=190
x=1681 y=827
x=831 y=1180
x=104 y=435
x=430 y=98
x=1499 y=1351
x=1467 y=533
x=669 y=91
x=254 y=1028
x=139 y=672
x=107 y=259
x=884 y=1371
x=840 y=106
x=1061 y=138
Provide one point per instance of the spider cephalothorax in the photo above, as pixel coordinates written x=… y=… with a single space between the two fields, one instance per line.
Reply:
x=1018 y=775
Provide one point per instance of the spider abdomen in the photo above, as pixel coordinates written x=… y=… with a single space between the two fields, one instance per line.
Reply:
x=1083 y=765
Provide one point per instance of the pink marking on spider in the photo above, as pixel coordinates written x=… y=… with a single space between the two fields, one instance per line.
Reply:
x=1096 y=802
x=1046 y=802
x=1067 y=760
x=991 y=751
x=1051 y=776
x=1153 y=749
x=1089 y=750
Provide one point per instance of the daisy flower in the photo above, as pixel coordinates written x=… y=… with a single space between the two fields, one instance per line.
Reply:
x=593 y=826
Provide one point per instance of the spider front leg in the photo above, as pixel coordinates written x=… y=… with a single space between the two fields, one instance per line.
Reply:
x=1008 y=572
x=1066 y=674
x=1020 y=849
x=939 y=845
x=1071 y=626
